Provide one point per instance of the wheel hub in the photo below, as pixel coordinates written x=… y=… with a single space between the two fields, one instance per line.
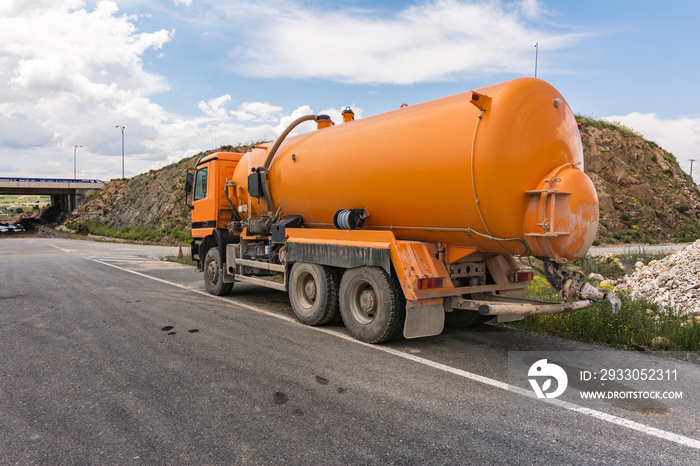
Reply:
x=367 y=301
x=310 y=290
x=212 y=272
x=364 y=307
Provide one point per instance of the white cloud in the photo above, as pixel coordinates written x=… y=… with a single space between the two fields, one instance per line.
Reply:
x=252 y=112
x=67 y=76
x=298 y=113
x=257 y=112
x=215 y=107
x=18 y=7
x=183 y=2
x=426 y=42
x=531 y=8
x=680 y=136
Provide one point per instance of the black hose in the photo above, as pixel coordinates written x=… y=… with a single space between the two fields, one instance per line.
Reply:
x=273 y=151
x=236 y=217
x=553 y=276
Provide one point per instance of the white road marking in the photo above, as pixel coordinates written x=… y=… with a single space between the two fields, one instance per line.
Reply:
x=119 y=258
x=600 y=415
x=60 y=249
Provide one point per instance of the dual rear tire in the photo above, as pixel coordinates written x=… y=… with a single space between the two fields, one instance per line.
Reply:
x=372 y=304
x=313 y=293
x=369 y=300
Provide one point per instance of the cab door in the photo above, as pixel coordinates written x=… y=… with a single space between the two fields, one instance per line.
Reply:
x=205 y=207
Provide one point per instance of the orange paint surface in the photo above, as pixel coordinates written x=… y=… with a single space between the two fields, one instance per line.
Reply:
x=436 y=172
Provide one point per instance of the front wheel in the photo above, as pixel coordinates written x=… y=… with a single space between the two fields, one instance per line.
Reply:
x=372 y=304
x=214 y=274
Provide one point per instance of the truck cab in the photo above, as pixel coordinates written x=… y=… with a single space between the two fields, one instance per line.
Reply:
x=211 y=212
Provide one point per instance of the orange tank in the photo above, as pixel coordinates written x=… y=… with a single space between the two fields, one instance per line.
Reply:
x=499 y=168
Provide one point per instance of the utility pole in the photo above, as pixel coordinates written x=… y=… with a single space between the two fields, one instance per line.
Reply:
x=691 y=170
x=75 y=165
x=537 y=50
x=122 y=128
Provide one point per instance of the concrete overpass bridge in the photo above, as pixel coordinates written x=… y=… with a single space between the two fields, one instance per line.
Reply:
x=65 y=193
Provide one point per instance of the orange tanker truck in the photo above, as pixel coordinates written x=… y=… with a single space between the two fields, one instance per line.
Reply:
x=399 y=221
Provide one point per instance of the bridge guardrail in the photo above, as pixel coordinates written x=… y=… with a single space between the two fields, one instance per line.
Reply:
x=52 y=180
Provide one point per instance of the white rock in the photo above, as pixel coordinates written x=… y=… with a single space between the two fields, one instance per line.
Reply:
x=673 y=281
x=660 y=342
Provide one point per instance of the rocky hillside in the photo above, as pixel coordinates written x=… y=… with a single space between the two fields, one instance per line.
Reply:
x=644 y=195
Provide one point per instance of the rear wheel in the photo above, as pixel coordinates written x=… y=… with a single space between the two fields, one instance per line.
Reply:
x=313 y=293
x=372 y=304
x=214 y=274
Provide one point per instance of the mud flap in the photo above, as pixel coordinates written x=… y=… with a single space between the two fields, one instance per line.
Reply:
x=423 y=320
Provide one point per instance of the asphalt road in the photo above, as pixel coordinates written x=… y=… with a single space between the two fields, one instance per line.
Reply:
x=110 y=356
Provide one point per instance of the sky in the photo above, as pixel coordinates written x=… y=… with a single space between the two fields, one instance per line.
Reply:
x=183 y=76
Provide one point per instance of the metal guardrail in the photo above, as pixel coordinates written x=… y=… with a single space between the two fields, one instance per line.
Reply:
x=52 y=180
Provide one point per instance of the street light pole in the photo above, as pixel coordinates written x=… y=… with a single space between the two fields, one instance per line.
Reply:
x=537 y=51
x=75 y=158
x=691 y=170
x=122 y=128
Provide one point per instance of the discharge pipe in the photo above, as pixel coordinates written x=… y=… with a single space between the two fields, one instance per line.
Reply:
x=273 y=151
x=571 y=286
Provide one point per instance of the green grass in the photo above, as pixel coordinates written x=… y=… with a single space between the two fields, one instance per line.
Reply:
x=602 y=124
x=92 y=195
x=636 y=327
x=141 y=233
x=185 y=259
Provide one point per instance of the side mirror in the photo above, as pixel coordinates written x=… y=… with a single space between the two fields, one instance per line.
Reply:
x=189 y=182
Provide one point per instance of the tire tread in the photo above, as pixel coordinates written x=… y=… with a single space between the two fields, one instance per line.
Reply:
x=329 y=282
x=396 y=311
